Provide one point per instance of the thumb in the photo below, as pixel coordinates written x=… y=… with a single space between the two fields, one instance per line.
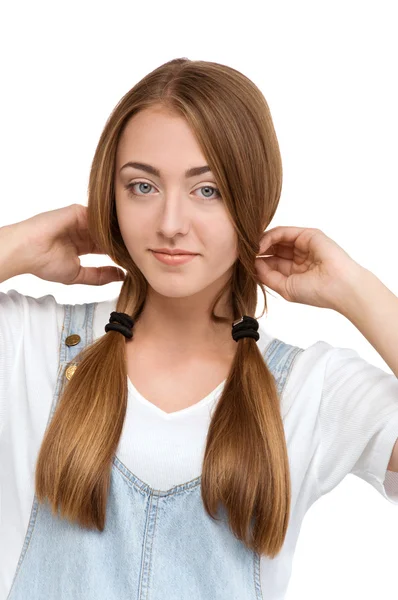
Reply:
x=99 y=275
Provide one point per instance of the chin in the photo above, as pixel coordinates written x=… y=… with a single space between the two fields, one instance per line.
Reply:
x=175 y=286
x=175 y=290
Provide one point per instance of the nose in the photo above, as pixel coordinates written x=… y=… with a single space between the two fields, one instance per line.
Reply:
x=174 y=217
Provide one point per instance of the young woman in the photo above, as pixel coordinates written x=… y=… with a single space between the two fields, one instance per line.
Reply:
x=162 y=445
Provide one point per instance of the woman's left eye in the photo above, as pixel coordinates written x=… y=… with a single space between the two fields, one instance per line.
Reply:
x=209 y=187
x=130 y=187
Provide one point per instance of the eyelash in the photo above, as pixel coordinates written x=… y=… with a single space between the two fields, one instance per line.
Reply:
x=129 y=187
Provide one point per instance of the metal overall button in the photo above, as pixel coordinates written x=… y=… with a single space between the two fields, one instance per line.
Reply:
x=70 y=371
x=73 y=339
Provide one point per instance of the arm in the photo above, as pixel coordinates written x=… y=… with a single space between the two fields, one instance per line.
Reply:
x=373 y=309
x=13 y=250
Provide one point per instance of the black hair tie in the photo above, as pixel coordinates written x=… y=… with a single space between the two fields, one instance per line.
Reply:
x=245 y=327
x=121 y=322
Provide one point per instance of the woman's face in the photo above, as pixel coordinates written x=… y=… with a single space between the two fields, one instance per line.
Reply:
x=169 y=209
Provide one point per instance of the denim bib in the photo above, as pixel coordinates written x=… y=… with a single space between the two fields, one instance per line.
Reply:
x=156 y=545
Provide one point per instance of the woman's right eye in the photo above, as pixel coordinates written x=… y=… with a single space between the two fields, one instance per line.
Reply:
x=129 y=187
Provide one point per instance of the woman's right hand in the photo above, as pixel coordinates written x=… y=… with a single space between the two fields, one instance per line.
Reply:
x=54 y=241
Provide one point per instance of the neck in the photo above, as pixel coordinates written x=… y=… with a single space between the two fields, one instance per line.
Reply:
x=184 y=325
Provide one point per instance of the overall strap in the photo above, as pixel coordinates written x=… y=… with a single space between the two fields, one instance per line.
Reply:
x=77 y=332
x=280 y=358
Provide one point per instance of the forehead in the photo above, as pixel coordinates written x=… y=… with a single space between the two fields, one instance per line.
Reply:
x=158 y=137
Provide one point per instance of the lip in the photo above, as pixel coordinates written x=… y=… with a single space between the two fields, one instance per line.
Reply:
x=173 y=260
x=172 y=251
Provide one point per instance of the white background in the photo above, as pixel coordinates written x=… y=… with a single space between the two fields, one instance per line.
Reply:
x=329 y=73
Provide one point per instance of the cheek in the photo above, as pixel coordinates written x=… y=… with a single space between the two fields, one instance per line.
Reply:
x=133 y=237
x=133 y=226
x=222 y=246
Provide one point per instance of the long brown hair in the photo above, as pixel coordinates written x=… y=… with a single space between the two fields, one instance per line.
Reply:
x=245 y=464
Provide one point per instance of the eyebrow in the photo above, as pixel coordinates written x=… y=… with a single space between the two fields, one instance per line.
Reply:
x=153 y=171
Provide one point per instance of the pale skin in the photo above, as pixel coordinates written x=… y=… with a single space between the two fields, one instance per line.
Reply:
x=174 y=336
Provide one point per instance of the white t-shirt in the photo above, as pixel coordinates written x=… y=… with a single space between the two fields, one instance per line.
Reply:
x=340 y=416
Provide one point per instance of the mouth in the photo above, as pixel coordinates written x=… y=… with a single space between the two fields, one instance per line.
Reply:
x=174 y=252
x=173 y=259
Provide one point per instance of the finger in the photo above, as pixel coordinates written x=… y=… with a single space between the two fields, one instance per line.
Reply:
x=274 y=263
x=271 y=277
x=280 y=235
x=99 y=275
x=83 y=250
x=86 y=245
x=282 y=250
x=96 y=250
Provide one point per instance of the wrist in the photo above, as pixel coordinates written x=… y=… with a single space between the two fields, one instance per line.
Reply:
x=355 y=291
x=14 y=252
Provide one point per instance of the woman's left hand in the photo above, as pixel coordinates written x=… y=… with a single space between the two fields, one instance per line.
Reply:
x=306 y=266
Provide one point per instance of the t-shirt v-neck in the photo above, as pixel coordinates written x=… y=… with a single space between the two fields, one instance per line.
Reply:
x=177 y=413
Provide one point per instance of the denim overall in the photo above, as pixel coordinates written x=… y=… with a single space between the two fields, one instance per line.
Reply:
x=156 y=545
